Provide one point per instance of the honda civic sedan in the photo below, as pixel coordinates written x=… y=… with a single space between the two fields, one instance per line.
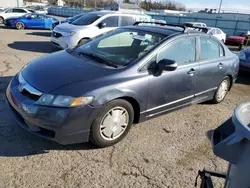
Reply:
x=96 y=91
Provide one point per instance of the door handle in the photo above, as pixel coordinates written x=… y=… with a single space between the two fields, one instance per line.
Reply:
x=220 y=65
x=191 y=72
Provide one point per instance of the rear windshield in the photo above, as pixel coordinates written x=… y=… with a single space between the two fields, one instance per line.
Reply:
x=86 y=19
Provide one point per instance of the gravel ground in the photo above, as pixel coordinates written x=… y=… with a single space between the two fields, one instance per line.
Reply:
x=164 y=152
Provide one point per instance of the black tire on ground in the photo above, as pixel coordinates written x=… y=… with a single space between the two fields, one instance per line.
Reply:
x=217 y=99
x=95 y=132
x=20 y=25
x=83 y=41
x=1 y=20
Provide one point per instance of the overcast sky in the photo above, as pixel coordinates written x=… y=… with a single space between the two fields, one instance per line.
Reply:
x=226 y=4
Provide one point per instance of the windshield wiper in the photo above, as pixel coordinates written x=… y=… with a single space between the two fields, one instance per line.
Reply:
x=99 y=59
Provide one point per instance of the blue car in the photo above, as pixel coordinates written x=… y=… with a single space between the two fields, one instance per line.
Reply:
x=32 y=20
x=96 y=91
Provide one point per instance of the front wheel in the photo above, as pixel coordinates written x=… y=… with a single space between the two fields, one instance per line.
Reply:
x=222 y=91
x=20 y=25
x=112 y=123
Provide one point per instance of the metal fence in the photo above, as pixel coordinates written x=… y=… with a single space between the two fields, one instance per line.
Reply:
x=230 y=27
x=65 y=11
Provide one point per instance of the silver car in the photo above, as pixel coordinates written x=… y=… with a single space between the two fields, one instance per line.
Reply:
x=91 y=25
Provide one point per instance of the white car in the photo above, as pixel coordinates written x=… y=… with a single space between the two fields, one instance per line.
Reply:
x=195 y=24
x=12 y=12
x=218 y=33
x=91 y=25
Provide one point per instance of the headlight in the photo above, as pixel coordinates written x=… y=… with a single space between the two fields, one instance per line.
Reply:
x=64 y=101
x=67 y=34
x=242 y=56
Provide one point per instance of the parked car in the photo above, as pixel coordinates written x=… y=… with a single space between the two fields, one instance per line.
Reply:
x=32 y=20
x=237 y=40
x=71 y=19
x=12 y=13
x=91 y=25
x=217 y=33
x=98 y=90
x=244 y=57
x=195 y=24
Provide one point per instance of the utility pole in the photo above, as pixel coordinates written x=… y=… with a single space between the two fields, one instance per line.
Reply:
x=220 y=6
x=95 y=4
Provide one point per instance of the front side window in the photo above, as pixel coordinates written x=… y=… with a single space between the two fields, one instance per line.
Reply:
x=86 y=19
x=122 y=46
x=127 y=20
x=111 y=21
x=182 y=51
x=9 y=11
x=209 y=49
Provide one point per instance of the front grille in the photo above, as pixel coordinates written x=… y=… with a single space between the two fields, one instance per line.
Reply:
x=56 y=35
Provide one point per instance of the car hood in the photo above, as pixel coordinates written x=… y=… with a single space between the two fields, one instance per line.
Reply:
x=236 y=37
x=68 y=27
x=53 y=71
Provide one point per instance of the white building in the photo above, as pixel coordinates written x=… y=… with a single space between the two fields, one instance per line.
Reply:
x=11 y=3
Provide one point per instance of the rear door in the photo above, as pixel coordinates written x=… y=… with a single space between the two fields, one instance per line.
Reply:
x=213 y=65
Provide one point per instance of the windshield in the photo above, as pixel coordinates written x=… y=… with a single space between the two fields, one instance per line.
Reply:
x=122 y=46
x=76 y=17
x=86 y=19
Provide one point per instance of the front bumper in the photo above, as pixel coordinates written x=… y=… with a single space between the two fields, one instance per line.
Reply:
x=63 y=125
x=65 y=42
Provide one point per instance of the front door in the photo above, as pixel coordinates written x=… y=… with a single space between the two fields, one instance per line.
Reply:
x=169 y=90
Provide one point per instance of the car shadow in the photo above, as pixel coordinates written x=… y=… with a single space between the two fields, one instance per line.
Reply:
x=43 y=34
x=34 y=46
x=16 y=142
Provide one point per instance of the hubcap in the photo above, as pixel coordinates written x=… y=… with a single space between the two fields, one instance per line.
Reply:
x=19 y=25
x=114 y=123
x=222 y=90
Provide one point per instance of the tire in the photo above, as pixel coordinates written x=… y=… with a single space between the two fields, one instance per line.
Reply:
x=20 y=25
x=222 y=91
x=1 y=20
x=82 y=41
x=109 y=126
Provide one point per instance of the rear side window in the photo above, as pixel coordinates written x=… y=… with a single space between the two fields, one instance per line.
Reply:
x=127 y=20
x=111 y=21
x=183 y=51
x=210 y=49
x=218 y=32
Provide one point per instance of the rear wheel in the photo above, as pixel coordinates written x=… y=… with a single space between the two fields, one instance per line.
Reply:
x=20 y=25
x=112 y=123
x=222 y=91
x=1 y=20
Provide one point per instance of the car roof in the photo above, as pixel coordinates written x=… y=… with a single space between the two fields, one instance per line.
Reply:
x=105 y=12
x=165 y=30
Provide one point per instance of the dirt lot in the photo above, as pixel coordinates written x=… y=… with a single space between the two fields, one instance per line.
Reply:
x=164 y=152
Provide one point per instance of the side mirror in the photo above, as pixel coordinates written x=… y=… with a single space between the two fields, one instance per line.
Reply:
x=167 y=65
x=101 y=25
x=29 y=17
